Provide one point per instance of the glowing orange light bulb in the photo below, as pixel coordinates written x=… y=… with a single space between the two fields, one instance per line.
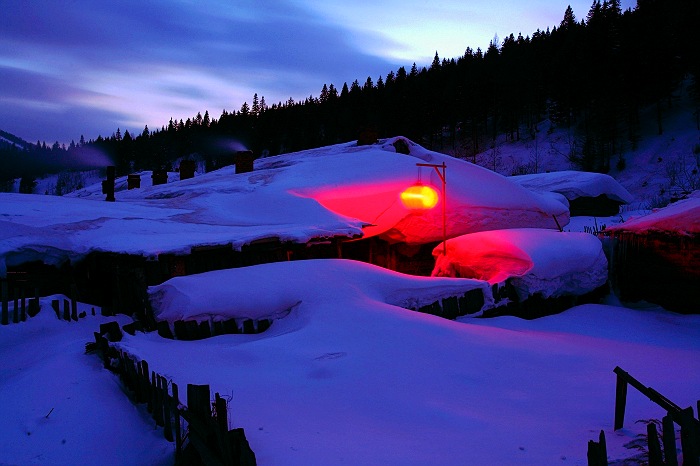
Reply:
x=419 y=197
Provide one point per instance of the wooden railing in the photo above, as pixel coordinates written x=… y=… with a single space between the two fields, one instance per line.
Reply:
x=690 y=427
x=200 y=430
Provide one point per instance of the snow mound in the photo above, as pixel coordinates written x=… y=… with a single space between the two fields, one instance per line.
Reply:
x=269 y=291
x=574 y=184
x=682 y=217
x=537 y=261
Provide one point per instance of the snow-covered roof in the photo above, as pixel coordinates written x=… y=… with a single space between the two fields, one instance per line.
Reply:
x=682 y=217
x=538 y=261
x=343 y=190
x=574 y=184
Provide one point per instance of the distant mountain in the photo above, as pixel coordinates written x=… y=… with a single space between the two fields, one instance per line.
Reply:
x=10 y=139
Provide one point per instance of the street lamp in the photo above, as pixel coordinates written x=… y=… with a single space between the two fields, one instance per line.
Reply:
x=420 y=196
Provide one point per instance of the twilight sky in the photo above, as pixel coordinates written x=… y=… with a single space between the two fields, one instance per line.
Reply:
x=87 y=67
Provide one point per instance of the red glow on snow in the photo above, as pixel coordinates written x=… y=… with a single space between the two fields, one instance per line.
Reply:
x=419 y=197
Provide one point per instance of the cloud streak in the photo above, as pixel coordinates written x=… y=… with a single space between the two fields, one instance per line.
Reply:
x=84 y=67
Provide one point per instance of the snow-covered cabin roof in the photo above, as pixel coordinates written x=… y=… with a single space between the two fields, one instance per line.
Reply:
x=574 y=184
x=682 y=217
x=343 y=190
x=548 y=262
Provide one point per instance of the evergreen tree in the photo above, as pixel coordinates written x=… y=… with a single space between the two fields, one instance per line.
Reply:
x=569 y=20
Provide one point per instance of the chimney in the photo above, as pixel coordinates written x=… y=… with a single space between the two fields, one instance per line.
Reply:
x=108 y=184
x=159 y=177
x=244 y=161
x=133 y=181
x=186 y=169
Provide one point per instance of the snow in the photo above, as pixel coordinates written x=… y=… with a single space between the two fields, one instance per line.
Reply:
x=60 y=406
x=346 y=377
x=682 y=217
x=272 y=290
x=574 y=184
x=345 y=374
x=338 y=191
x=547 y=262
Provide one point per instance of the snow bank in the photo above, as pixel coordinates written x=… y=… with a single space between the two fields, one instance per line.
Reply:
x=270 y=291
x=574 y=184
x=682 y=217
x=537 y=261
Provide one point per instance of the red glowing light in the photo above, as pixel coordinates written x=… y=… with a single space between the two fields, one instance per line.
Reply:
x=419 y=197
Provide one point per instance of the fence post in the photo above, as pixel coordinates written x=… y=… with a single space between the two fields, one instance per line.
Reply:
x=620 y=400
x=689 y=438
x=167 y=403
x=222 y=426
x=176 y=411
x=198 y=400
x=15 y=310
x=655 y=458
x=598 y=451
x=157 y=399
x=145 y=385
x=23 y=309
x=5 y=304
x=668 y=434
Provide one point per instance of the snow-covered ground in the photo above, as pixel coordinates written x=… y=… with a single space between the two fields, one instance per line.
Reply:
x=345 y=374
x=345 y=377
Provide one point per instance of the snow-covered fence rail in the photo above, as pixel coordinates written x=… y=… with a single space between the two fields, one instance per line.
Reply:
x=15 y=289
x=690 y=426
x=200 y=430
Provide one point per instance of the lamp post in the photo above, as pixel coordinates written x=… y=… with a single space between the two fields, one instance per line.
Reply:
x=424 y=197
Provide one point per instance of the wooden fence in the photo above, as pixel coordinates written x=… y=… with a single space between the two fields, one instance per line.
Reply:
x=192 y=330
x=16 y=289
x=668 y=456
x=200 y=430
